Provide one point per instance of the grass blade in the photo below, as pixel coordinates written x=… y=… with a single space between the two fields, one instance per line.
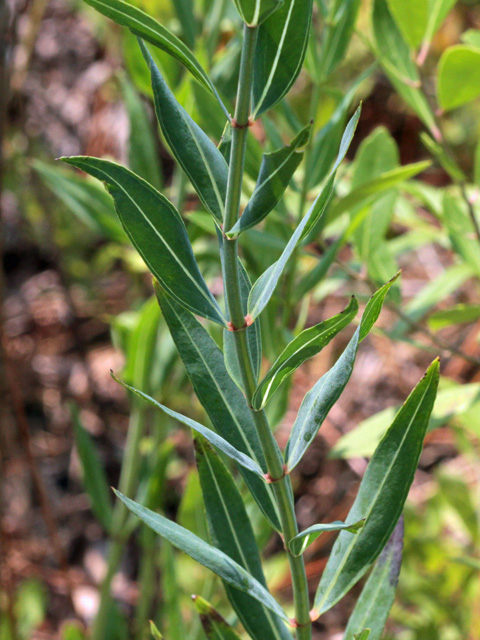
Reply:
x=205 y=554
x=382 y=494
x=158 y=233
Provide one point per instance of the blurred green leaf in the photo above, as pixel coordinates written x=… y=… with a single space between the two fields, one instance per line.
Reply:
x=459 y=314
x=458 y=76
x=213 y=624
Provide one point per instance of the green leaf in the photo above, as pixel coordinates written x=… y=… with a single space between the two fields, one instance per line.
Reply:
x=362 y=441
x=300 y=542
x=147 y=28
x=155 y=632
x=158 y=233
x=458 y=76
x=222 y=399
x=194 y=151
x=375 y=601
x=275 y=174
x=471 y=37
x=143 y=151
x=232 y=532
x=411 y=17
x=94 y=477
x=205 y=554
x=280 y=51
x=338 y=30
x=217 y=441
x=325 y=393
x=307 y=344
x=364 y=635
x=213 y=624
x=394 y=55
x=254 y=12
x=459 y=314
x=438 y=11
x=85 y=198
x=264 y=287
x=443 y=157
x=461 y=230
x=382 y=183
x=382 y=494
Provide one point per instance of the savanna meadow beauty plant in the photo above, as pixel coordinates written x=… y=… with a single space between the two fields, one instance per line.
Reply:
x=228 y=381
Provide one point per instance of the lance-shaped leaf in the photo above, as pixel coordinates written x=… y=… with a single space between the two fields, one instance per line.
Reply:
x=157 y=231
x=321 y=398
x=155 y=632
x=300 y=542
x=381 y=495
x=232 y=532
x=205 y=554
x=254 y=12
x=194 y=151
x=222 y=399
x=217 y=441
x=307 y=344
x=281 y=47
x=264 y=287
x=338 y=29
x=146 y=27
x=213 y=624
x=275 y=174
x=376 y=599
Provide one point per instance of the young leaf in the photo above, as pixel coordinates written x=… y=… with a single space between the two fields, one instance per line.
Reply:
x=275 y=174
x=222 y=399
x=205 y=554
x=94 y=477
x=213 y=624
x=307 y=344
x=254 y=12
x=147 y=28
x=458 y=76
x=382 y=494
x=300 y=542
x=280 y=51
x=264 y=287
x=194 y=151
x=217 y=441
x=232 y=532
x=321 y=398
x=158 y=233
x=376 y=599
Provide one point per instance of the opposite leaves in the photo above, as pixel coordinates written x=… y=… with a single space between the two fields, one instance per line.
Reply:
x=157 y=231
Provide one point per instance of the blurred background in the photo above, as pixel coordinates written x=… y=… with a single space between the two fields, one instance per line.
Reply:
x=76 y=303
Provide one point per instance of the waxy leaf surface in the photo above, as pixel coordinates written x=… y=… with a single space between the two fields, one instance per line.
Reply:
x=321 y=398
x=194 y=151
x=205 y=554
x=307 y=344
x=157 y=231
x=280 y=51
x=376 y=599
x=222 y=399
x=381 y=495
x=232 y=532
x=217 y=441
x=300 y=542
x=275 y=174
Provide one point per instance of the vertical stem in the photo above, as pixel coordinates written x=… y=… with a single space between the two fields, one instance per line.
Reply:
x=274 y=460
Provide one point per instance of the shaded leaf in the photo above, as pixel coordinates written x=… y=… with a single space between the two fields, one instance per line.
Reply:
x=213 y=624
x=275 y=174
x=158 y=233
x=222 y=399
x=339 y=26
x=300 y=542
x=280 y=51
x=307 y=344
x=254 y=12
x=382 y=494
x=325 y=393
x=194 y=151
x=205 y=554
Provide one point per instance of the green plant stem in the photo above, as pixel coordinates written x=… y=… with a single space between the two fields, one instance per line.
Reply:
x=274 y=460
x=120 y=530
